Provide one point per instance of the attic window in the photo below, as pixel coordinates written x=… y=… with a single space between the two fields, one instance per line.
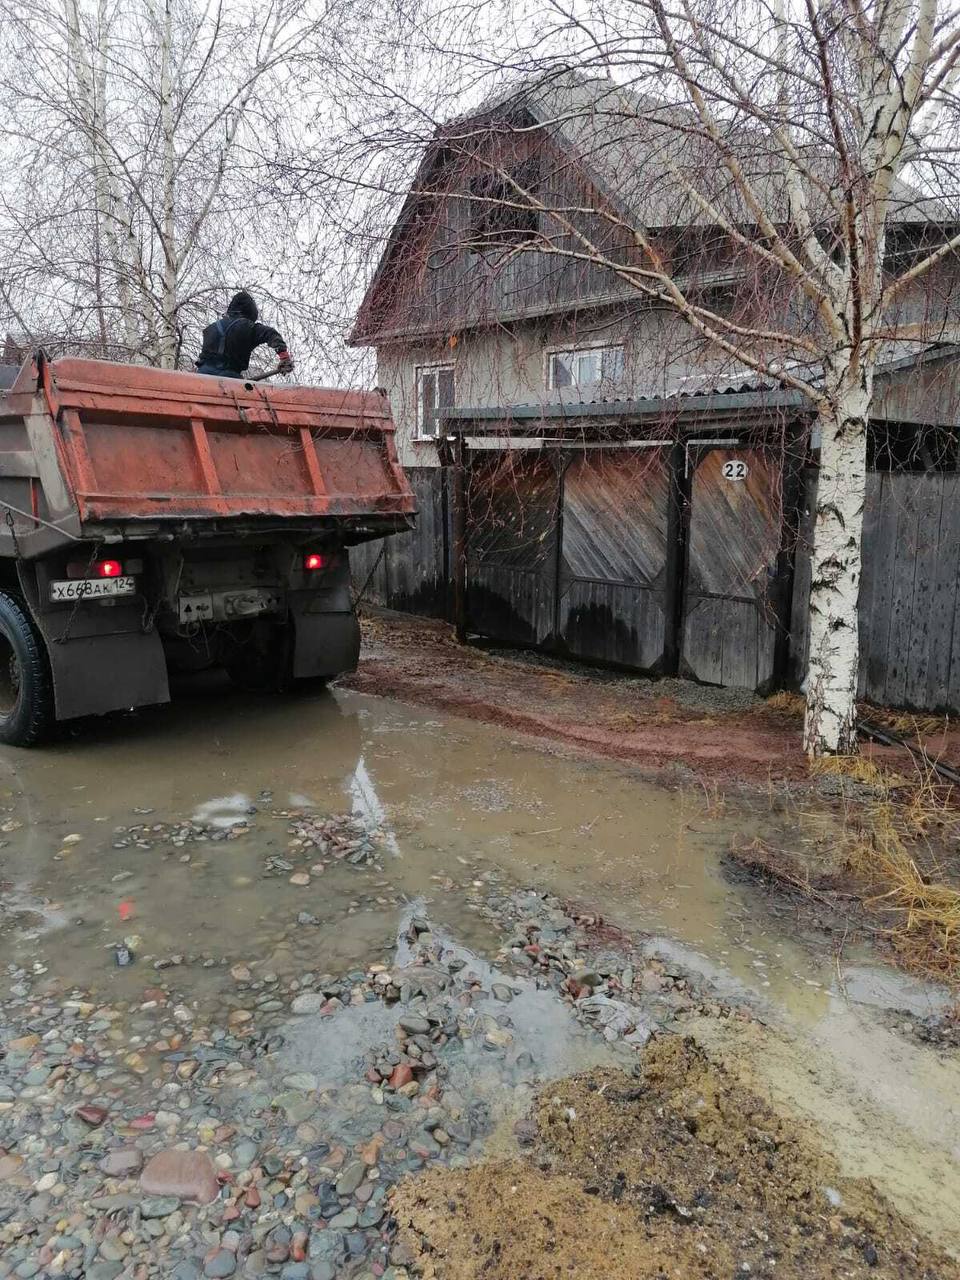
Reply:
x=500 y=215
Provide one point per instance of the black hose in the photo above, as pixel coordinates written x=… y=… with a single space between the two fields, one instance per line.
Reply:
x=887 y=738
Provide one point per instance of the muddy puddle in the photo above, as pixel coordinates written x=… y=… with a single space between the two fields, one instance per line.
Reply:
x=444 y=794
x=184 y=842
x=160 y=829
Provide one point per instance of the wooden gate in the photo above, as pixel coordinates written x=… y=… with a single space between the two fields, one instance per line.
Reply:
x=729 y=628
x=512 y=535
x=570 y=550
x=611 y=603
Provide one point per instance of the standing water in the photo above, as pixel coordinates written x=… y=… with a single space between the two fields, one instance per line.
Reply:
x=190 y=845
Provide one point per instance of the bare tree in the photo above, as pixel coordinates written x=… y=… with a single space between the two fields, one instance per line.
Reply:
x=812 y=146
x=137 y=188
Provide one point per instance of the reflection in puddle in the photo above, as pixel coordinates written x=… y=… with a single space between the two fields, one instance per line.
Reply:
x=223 y=811
x=367 y=805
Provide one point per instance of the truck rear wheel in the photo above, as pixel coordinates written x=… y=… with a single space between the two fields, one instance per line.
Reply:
x=26 y=687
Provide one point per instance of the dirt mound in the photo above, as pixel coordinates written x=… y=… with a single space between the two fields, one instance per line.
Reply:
x=509 y=1221
x=680 y=1172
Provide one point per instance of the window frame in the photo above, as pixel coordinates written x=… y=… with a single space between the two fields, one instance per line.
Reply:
x=582 y=349
x=420 y=435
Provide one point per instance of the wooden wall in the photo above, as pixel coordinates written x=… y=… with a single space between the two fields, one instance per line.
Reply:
x=910 y=594
x=910 y=600
x=410 y=571
x=436 y=278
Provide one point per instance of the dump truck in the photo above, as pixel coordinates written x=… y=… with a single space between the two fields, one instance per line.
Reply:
x=155 y=521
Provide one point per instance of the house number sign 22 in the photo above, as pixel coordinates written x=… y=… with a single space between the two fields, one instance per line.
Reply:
x=734 y=470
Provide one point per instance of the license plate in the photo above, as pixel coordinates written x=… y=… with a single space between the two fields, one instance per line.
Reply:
x=91 y=589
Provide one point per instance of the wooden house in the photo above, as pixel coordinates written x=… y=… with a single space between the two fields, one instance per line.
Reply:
x=622 y=494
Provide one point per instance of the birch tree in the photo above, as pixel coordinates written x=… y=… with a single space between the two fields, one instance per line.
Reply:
x=137 y=189
x=816 y=139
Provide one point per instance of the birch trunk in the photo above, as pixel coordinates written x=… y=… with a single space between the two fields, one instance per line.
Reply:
x=168 y=318
x=89 y=71
x=834 y=658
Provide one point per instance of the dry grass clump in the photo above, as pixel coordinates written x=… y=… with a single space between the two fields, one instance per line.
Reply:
x=786 y=703
x=907 y=723
x=857 y=768
x=899 y=849
x=894 y=868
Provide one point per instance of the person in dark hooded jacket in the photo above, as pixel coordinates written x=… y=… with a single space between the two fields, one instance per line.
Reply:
x=229 y=342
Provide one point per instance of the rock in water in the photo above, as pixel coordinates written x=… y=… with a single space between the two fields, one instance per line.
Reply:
x=123 y=1163
x=309 y=1002
x=351 y=1177
x=189 y=1175
x=158 y=1207
x=91 y=1114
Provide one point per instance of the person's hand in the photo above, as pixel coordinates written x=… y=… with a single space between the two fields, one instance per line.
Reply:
x=286 y=364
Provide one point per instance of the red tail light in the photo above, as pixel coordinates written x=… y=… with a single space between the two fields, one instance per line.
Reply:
x=108 y=569
x=314 y=560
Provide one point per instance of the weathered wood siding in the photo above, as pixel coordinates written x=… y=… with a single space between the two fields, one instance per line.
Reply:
x=910 y=594
x=613 y=563
x=909 y=637
x=410 y=571
x=435 y=282
x=591 y=583
x=800 y=599
x=512 y=547
x=729 y=617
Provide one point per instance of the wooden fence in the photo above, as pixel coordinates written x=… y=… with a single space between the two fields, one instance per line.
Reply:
x=909 y=599
x=578 y=585
x=411 y=571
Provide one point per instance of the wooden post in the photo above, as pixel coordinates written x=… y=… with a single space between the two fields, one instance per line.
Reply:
x=675 y=568
x=561 y=463
x=792 y=499
x=460 y=538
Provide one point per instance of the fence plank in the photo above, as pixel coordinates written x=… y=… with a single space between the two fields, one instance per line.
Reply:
x=906 y=492
x=368 y=571
x=927 y=555
x=802 y=572
x=875 y=620
x=943 y=604
x=702 y=651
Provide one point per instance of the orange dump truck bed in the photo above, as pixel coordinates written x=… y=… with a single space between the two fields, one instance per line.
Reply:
x=154 y=522
x=90 y=443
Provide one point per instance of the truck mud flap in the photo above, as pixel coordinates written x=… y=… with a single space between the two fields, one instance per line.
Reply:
x=100 y=659
x=326 y=633
x=96 y=674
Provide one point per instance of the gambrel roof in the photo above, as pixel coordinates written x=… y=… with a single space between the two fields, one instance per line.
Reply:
x=642 y=157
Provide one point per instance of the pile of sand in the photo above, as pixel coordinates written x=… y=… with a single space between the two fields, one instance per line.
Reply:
x=679 y=1172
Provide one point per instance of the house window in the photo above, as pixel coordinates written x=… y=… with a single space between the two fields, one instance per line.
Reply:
x=593 y=367
x=434 y=392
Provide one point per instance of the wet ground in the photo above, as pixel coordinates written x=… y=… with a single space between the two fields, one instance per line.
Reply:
x=229 y=895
